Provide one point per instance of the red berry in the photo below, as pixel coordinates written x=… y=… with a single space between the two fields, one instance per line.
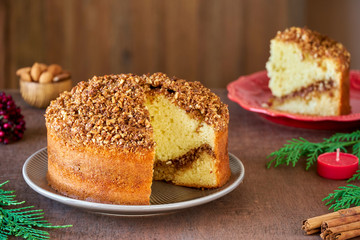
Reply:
x=12 y=124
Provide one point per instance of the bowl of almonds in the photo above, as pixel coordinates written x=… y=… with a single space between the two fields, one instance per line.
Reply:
x=41 y=83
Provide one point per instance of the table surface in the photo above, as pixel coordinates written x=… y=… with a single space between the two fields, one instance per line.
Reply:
x=268 y=204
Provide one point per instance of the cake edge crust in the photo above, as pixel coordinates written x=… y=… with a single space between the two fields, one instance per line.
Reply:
x=101 y=186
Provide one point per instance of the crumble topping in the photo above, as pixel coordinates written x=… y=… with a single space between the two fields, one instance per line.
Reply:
x=109 y=110
x=193 y=97
x=316 y=44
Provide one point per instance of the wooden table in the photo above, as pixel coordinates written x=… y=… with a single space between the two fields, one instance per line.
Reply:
x=269 y=204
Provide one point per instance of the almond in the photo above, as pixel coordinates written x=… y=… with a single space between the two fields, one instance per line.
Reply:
x=61 y=76
x=21 y=70
x=25 y=76
x=55 y=69
x=46 y=77
x=35 y=72
x=43 y=67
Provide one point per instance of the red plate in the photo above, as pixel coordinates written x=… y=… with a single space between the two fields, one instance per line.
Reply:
x=252 y=93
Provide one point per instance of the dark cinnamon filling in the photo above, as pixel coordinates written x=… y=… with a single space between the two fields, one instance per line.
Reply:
x=187 y=159
x=320 y=86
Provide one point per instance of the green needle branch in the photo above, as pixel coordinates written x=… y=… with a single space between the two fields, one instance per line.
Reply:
x=23 y=221
x=296 y=149
x=346 y=196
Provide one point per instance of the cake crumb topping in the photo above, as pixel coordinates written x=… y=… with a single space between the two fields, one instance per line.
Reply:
x=109 y=110
x=316 y=44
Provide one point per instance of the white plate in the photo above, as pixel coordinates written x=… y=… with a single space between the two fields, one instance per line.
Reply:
x=165 y=197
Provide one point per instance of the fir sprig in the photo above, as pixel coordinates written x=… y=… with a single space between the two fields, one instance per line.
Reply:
x=344 y=197
x=355 y=177
x=21 y=222
x=296 y=149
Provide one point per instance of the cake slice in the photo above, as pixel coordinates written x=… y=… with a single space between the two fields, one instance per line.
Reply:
x=309 y=73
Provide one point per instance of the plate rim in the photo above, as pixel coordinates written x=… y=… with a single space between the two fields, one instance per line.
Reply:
x=130 y=210
x=352 y=117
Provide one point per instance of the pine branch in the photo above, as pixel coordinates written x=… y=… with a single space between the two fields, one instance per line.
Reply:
x=356 y=149
x=22 y=222
x=296 y=149
x=6 y=197
x=291 y=152
x=340 y=137
x=344 y=197
x=355 y=177
x=312 y=155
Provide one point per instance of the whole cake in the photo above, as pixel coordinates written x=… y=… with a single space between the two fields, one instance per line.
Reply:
x=112 y=135
x=309 y=73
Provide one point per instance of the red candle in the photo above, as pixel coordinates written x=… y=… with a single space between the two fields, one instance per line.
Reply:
x=337 y=165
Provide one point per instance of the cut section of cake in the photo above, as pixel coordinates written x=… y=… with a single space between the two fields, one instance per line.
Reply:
x=186 y=147
x=309 y=73
x=112 y=135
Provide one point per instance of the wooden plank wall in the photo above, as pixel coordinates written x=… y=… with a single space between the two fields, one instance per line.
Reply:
x=210 y=41
x=340 y=20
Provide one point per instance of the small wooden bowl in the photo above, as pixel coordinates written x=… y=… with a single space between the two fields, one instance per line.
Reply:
x=40 y=94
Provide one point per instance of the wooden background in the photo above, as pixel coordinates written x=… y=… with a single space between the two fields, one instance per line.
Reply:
x=211 y=41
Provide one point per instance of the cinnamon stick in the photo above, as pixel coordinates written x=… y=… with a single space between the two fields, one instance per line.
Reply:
x=344 y=235
x=312 y=231
x=339 y=221
x=339 y=229
x=315 y=222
